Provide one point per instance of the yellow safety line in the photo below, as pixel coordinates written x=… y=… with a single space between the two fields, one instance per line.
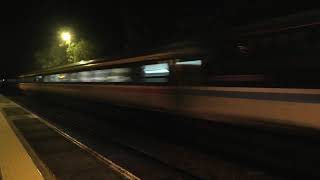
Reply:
x=15 y=162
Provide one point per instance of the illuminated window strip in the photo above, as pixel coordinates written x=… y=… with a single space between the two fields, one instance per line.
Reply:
x=194 y=62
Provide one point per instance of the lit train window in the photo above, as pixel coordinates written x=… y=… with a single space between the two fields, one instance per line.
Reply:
x=99 y=75
x=39 y=78
x=62 y=77
x=113 y=75
x=155 y=73
x=51 y=78
x=85 y=76
x=156 y=70
x=192 y=62
x=105 y=75
x=73 y=77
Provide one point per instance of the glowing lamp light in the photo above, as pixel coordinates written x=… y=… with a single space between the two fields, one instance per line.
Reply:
x=66 y=36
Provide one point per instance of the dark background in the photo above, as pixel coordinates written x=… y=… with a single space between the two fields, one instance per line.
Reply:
x=115 y=28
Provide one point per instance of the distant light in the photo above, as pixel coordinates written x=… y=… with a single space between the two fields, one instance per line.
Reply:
x=194 y=62
x=66 y=36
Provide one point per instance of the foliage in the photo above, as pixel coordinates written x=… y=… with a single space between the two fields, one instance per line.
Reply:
x=82 y=50
x=61 y=53
x=55 y=55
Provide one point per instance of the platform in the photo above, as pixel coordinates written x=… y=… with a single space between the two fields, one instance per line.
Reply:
x=15 y=161
x=32 y=148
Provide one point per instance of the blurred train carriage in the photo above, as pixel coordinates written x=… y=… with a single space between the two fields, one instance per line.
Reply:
x=146 y=80
x=265 y=73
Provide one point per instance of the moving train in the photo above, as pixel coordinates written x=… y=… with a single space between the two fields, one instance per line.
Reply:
x=266 y=74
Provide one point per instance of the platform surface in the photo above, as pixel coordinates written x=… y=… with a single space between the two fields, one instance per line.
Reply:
x=15 y=162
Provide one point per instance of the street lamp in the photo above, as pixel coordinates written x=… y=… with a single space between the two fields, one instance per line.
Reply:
x=66 y=36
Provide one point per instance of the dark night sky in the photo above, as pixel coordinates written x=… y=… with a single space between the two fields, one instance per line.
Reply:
x=29 y=26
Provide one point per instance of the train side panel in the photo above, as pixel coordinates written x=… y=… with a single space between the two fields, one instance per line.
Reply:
x=264 y=106
x=294 y=107
x=153 y=97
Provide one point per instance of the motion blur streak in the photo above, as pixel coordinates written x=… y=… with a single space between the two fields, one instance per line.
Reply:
x=259 y=105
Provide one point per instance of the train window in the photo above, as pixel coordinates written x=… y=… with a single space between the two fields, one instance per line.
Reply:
x=73 y=77
x=51 y=78
x=187 y=71
x=99 y=75
x=192 y=62
x=63 y=77
x=156 y=70
x=39 y=78
x=85 y=76
x=242 y=49
x=155 y=73
x=113 y=75
x=105 y=75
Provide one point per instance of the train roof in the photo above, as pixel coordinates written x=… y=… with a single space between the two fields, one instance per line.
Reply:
x=177 y=50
